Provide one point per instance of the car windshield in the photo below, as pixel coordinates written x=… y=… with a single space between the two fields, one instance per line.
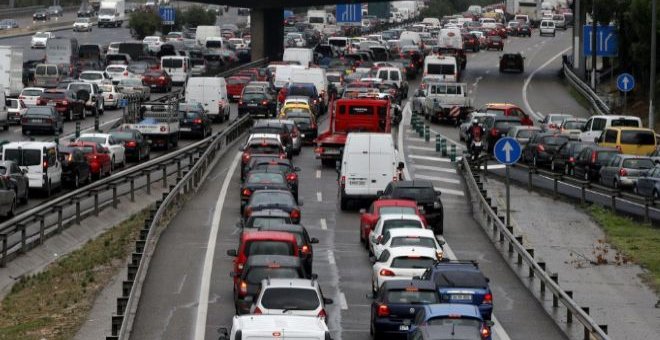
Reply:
x=266 y=247
x=82 y=21
x=265 y=178
x=406 y=241
x=456 y=322
x=23 y=157
x=301 y=121
x=402 y=223
x=172 y=63
x=637 y=137
x=91 y=76
x=130 y=82
x=270 y=197
x=574 y=124
x=53 y=95
x=290 y=298
x=256 y=274
x=446 y=69
x=77 y=87
x=99 y=140
x=643 y=163
x=505 y=124
x=259 y=222
x=106 y=88
x=397 y=210
x=115 y=69
x=333 y=78
x=414 y=262
x=39 y=110
x=253 y=96
x=605 y=156
x=122 y=135
x=625 y=123
x=559 y=118
x=412 y=296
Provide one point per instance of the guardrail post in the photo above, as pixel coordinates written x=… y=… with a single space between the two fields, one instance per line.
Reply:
x=117 y=320
x=114 y=195
x=427 y=133
x=542 y=265
x=3 y=261
x=555 y=300
x=126 y=287
x=164 y=169
x=59 y=219
x=77 y=129
x=569 y=315
x=96 y=202
x=97 y=126
x=121 y=305
x=42 y=228
x=22 y=229
x=76 y=200
x=555 y=179
x=529 y=179
x=583 y=193
x=603 y=328
x=443 y=147
x=437 y=143
x=132 y=189
x=647 y=202
x=452 y=154
x=531 y=267
x=148 y=174
x=614 y=202
x=178 y=168
x=586 y=330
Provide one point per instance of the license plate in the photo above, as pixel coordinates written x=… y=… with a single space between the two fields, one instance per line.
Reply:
x=185 y=129
x=404 y=327
x=37 y=120
x=461 y=297
x=253 y=104
x=356 y=182
x=331 y=152
x=154 y=86
x=52 y=104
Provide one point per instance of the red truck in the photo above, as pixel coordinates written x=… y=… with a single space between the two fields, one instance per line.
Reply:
x=351 y=115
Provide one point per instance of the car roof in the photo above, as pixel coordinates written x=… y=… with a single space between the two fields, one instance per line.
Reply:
x=103 y=135
x=418 y=183
x=270 y=213
x=402 y=284
x=271 y=322
x=265 y=260
x=395 y=202
x=412 y=232
x=440 y=309
x=29 y=145
x=629 y=128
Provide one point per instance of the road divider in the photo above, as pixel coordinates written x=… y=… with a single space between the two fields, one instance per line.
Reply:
x=51 y=26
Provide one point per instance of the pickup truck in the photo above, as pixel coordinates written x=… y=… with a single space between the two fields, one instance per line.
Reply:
x=159 y=123
x=446 y=101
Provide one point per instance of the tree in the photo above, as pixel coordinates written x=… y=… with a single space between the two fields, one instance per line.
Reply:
x=195 y=16
x=143 y=24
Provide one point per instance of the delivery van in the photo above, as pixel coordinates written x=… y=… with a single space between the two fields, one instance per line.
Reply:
x=211 y=92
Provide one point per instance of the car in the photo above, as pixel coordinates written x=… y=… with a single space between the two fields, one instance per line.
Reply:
x=97 y=77
x=153 y=42
x=648 y=184
x=265 y=218
x=512 y=62
x=497 y=127
x=427 y=198
x=134 y=86
x=590 y=160
x=86 y=11
x=15 y=110
x=65 y=102
x=391 y=221
x=560 y=21
x=91 y=94
x=623 y=170
x=17 y=179
x=39 y=39
x=547 y=27
x=524 y=30
x=295 y=135
x=98 y=158
x=471 y=42
x=564 y=158
x=401 y=263
x=261 y=180
x=195 y=123
x=541 y=148
x=75 y=166
x=7 y=24
x=305 y=90
x=305 y=242
x=261 y=243
x=408 y=237
x=111 y=97
x=275 y=126
x=158 y=80
x=264 y=326
x=462 y=282
x=30 y=95
x=369 y=218
x=235 y=85
x=41 y=15
x=395 y=305
x=572 y=127
x=494 y=42
x=448 y=321
x=55 y=11
x=82 y=25
x=629 y=140
x=507 y=109
x=291 y=296
x=512 y=27
x=256 y=104
x=264 y=146
x=118 y=72
x=42 y=119
x=284 y=166
x=8 y=200
x=260 y=267
x=117 y=150
x=552 y=121
x=273 y=199
x=463 y=129
x=136 y=145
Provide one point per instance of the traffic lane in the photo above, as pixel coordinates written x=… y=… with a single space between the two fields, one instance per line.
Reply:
x=26 y=20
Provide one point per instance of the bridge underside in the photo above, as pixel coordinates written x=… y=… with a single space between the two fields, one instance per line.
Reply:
x=272 y=4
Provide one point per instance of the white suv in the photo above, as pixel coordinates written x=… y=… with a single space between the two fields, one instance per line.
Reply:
x=547 y=27
x=290 y=296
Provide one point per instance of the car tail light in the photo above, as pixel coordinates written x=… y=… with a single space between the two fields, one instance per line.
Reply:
x=264 y=102
x=593 y=157
x=540 y=148
x=161 y=78
x=295 y=214
x=318 y=150
x=240 y=102
x=131 y=144
x=386 y=272
x=343 y=181
x=571 y=159
x=395 y=178
x=488 y=298
x=242 y=288
x=292 y=177
x=248 y=212
x=246 y=157
x=125 y=73
x=45 y=164
x=485 y=332
x=64 y=102
x=282 y=156
x=494 y=132
x=246 y=192
x=305 y=249
x=618 y=148
x=24 y=120
x=257 y=310
x=383 y=311
x=197 y=121
x=623 y=172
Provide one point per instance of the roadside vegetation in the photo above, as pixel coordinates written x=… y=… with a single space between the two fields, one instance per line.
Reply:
x=144 y=23
x=639 y=242
x=55 y=303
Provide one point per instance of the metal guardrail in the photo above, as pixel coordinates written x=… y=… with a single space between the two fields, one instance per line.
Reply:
x=599 y=106
x=547 y=281
x=9 y=13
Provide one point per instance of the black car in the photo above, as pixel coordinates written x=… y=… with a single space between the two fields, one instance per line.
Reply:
x=75 y=169
x=261 y=147
x=259 y=158
x=512 y=62
x=497 y=127
x=86 y=11
x=426 y=196
x=257 y=104
x=55 y=11
x=264 y=218
x=136 y=146
x=195 y=123
x=564 y=158
x=41 y=15
x=257 y=180
x=307 y=90
x=283 y=166
x=258 y=268
x=541 y=147
x=590 y=160
x=471 y=42
x=302 y=238
x=306 y=124
x=273 y=199
x=42 y=119
x=524 y=30
x=18 y=180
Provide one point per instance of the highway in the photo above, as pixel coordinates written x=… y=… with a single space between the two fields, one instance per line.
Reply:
x=188 y=291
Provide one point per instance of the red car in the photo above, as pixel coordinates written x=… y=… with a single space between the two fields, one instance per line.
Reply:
x=368 y=219
x=506 y=109
x=97 y=156
x=272 y=243
x=65 y=103
x=235 y=85
x=158 y=80
x=494 y=42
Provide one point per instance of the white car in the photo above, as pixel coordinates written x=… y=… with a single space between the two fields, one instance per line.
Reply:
x=15 y=109
x=118 y=72
x=30 y=95
x=547 y=27
x=290 y=296
x=153 y=42
x=113 y=47
x=117 y=151
x=82 y=24
x=409 y=237
x=392 y=221
x=111 y=96
x=264 y=326
x=96 y=77
x=400 y=264
x=238 y=42
x=40 y=39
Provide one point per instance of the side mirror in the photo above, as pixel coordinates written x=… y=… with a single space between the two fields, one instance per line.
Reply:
x=540 y=121
x=24 y=171
x=379 y=239
x=296 y=169
x=442 y=242
x=328 y=301
x=438 y=193
x=224 y=333
x=232 y=252
x=338 y=166
x=314 y=240
x=314 y=276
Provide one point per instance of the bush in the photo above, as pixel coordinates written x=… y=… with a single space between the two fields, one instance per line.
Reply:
x=195 y=16
x=143 y=24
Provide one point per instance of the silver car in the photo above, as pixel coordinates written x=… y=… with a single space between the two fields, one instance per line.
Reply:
x=623 y=170
x=523 y=133
x=552 y=121
x=134 y=86
x=7 y=198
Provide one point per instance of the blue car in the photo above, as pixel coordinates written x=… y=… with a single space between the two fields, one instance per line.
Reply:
x=395 y=305
x=449 y=321
x=462 y=282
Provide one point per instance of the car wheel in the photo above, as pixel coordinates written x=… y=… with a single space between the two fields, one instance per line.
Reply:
x=343 y=202
x=48 y=189
x=24 y=199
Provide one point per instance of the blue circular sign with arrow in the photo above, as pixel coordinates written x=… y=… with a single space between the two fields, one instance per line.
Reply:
x=625 y=82
x=507 y=150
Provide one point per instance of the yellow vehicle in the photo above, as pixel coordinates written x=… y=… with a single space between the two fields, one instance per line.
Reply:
x=298 y=106
x=629 y=140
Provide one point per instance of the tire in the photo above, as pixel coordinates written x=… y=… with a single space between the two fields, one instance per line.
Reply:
x=48 y=189
x=440 y=228
x=12 y=210
x=24 y=200
x=6 y=127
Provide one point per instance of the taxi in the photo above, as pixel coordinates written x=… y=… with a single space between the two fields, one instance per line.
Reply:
x=295 y=107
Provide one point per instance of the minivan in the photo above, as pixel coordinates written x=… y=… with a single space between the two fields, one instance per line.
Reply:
x=547 y=27
x=596 y=124
x=368 y=165
x=178 y=67
x=211 y=92
x=39 y=161
x=48 y=75
x=629 y=141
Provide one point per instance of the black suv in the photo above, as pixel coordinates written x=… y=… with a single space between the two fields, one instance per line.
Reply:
x=428 y=199
x=512 y=62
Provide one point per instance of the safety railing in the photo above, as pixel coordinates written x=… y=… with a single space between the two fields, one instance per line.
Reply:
x=495 y=223
x=599 y=106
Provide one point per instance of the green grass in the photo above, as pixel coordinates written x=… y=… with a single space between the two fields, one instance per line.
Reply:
x=639 y=242
x=54 y=303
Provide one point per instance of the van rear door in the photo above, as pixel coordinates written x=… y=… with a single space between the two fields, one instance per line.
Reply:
x=357 y=167
x=30 y=160
x=381 y=163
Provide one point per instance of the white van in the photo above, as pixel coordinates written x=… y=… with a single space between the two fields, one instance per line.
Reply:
x=314 y=75
x=444 y=68
x=431 y=22
x=547 y=27
x=178 y=67
x=410 y=35
x=283 y=74
x=339 y=43
x=368 y=164
x=39 y=161
x=303 y=56
x=393 y=75
x=450 y=38
x=596 y=124
x=215 y=43
x=202 y=33
x=211 y=92
x=523 y=18
x=271 y=326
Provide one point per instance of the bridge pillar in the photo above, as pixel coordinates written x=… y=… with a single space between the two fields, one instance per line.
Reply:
x=267 y=33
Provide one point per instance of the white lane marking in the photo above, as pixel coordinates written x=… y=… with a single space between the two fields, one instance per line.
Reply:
x=342 y=301
x=423 y=148
x=429 y=158
x=415 y=139
x=178 y=291
x=434 y=168
x=331 y=257
x=324 y=224
x=449 y=191
x=402 y=157
x=318 y=173
x=319 y=196
x=438 y=179
x=487 y=71
x=529 y=79
x=203 y=300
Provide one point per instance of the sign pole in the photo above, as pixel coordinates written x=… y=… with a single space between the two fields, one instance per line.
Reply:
x=508 y=198
x=652 y=84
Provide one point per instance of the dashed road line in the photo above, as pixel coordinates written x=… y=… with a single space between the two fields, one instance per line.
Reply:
x=318 y=173
x=324 y=224
x=319 y=196
x=436 y=168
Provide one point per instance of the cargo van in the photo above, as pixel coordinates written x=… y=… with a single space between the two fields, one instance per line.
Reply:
x=303 y=56
x=215 y=43
x=211 y=92
x=629 y=140
x=368 y=164
x=48 y=75
x=39 y=161
x=339 y=43
x=410 y=35
x=596 y=124
x=283 y=74
x=315 y=76
x=178 y=67
x=280 y=327
x=62 y=52
x=444 y=68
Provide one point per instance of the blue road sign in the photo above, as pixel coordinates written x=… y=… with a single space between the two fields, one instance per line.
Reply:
x=167 y=15
x=349 y=13
x=607 y=41
x=625 y=82
x=507 y=150
x=123 y=102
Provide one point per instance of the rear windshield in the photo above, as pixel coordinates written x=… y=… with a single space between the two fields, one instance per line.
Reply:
x=99 y=140
x=507 y=124
x=23 y=157
x=412 y=296
x=395 y=224
x=85 y=149
x=290 y=298
x=460 y=278
x=172 y=63
x=413 y=241
x=122 y=136
x=526 y=133
x=32 y=92
x=625 y=123
x=91 y=76
x=445 y=69
x=415 y=194
x=333 y=78
x=456 y=323
x=253 y=95
x=268 y=148
x=574 y=125
x=214 y=44
x=272 y=198
x=53 y=95
x=234 y=81
x=637 y=137
x=397 y=210
x=555 y=140
x=265 y=178
x=604 y=156
x=301 y=121
x=638 y=164
x=197 y=62
x=306 y=91
x=558 y=118
x=256 y=274
x=77 y=87
x=268 y=248
x=116 y=69
x=259 y=222
x=412 y=262
x=337 y=42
